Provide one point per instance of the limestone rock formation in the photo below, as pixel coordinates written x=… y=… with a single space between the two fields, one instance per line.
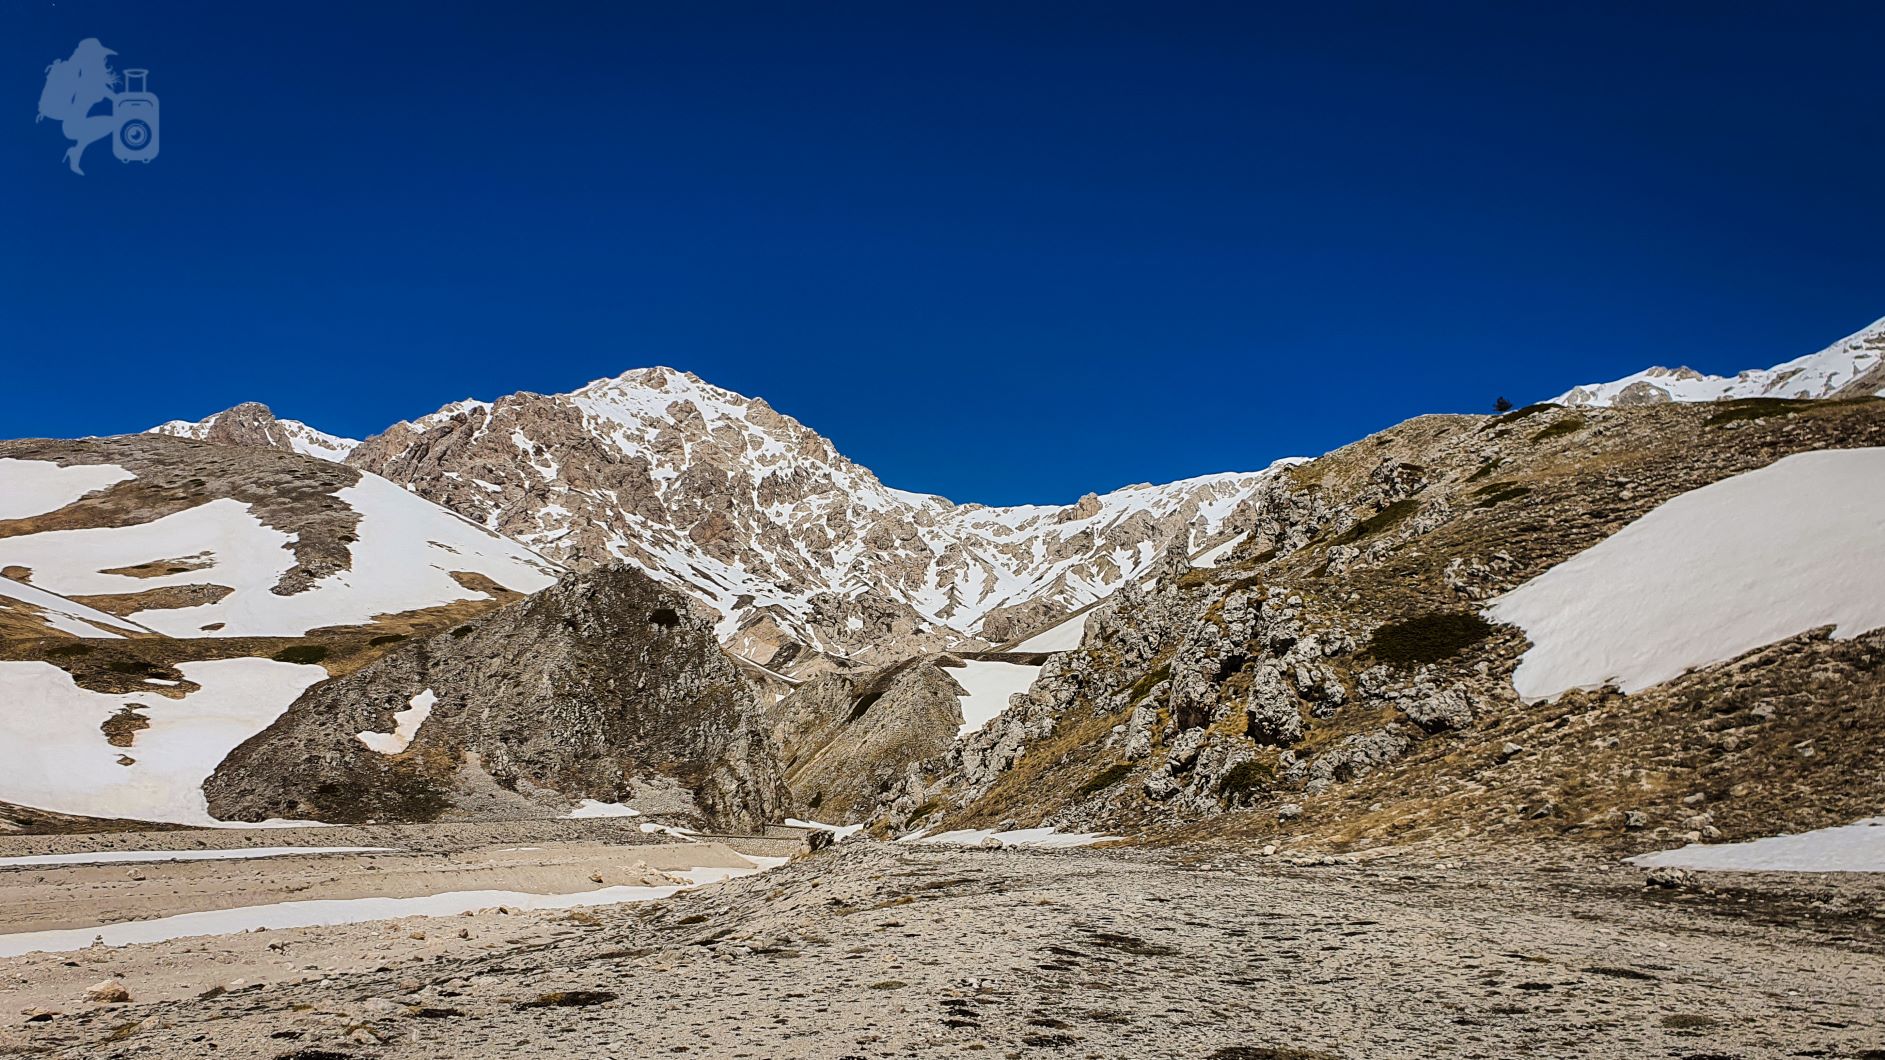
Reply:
x=252 y=424
x=605 y=686
x=847 y=738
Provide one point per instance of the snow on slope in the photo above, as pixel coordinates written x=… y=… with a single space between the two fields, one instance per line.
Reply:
x=1063 y=637
x=986 y=687
x=405 y=549
x=1856 y=847
x=1815 y=375
x=35 y=487
x=53 y=755
x=66 y=616
x=1709 y=575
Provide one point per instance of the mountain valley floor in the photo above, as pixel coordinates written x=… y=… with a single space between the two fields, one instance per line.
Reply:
x=871 y=949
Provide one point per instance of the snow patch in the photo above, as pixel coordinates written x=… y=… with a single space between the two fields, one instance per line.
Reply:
x=838 y=831
x=67 y=616
x=405 y=726
x=1063 y=637
x=987 y=686
x=1709 y=575
x=591 y=808
x=53 y=755
x=402 y=560
x=1856 y=847
x=35 y=487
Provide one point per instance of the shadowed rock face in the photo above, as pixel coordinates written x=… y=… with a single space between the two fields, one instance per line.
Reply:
x=846 y=738
x=604 y=686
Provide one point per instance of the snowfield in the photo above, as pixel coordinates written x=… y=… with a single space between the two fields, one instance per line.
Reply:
x=1709 y=575
x=1856 y=847
x=402 y=560
x=35 y=487
x=53 y=755
x=987 y=686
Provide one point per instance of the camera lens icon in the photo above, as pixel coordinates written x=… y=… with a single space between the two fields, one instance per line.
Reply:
x=135 y=134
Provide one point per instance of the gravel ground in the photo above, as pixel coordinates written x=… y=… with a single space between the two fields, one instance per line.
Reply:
x=874 y=951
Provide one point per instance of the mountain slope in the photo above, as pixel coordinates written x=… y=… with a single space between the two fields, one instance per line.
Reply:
x=1852 y=367
x=252 y=424
x=1334 y=680
x=162 y=599
x=804 y=555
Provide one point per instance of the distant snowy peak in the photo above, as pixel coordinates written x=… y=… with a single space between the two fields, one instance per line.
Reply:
x=252 y=424
x=799 y=550
x=1852 y=367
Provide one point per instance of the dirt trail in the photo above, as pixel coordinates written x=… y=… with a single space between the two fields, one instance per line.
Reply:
x=877 y=951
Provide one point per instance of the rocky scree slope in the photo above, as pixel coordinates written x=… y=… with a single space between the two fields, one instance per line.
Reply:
x=1331 y=682
x=808 y=560
x=1852 y=367
x=605 y=686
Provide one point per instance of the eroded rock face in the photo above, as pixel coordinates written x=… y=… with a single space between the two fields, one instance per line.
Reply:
x=604 y=686
x=847 y=739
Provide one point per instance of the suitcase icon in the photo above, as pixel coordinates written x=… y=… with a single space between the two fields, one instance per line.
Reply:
x=136 y=112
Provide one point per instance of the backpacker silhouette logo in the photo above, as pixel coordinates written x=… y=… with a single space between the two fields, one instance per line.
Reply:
x=74 y=89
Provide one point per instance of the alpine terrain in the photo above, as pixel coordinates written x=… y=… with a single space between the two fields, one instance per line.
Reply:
x=1550 y=731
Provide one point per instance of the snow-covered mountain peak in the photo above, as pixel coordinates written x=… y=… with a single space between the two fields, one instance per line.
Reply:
x=1852 y=367
x=795 y=546
x=252 y=424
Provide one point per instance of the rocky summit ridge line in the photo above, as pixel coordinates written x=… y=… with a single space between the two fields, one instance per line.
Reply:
x=807 y=560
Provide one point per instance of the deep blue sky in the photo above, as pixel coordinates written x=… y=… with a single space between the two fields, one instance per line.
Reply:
x=1002 y=252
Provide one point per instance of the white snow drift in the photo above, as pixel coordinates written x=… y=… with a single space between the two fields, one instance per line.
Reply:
x=35 y=487
x=405 y=726
x=402 y=560
x=987 y=686
x=1856 y=847
x=1063 y=637
x=1709 y=575
x=53 y=755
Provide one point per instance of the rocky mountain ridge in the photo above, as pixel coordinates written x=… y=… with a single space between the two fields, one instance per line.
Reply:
x=253 y=424
x=806 y=558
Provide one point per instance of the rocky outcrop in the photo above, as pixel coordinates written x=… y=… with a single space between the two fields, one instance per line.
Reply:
x=605 y=686
x=252 y=425
x=848 y=739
